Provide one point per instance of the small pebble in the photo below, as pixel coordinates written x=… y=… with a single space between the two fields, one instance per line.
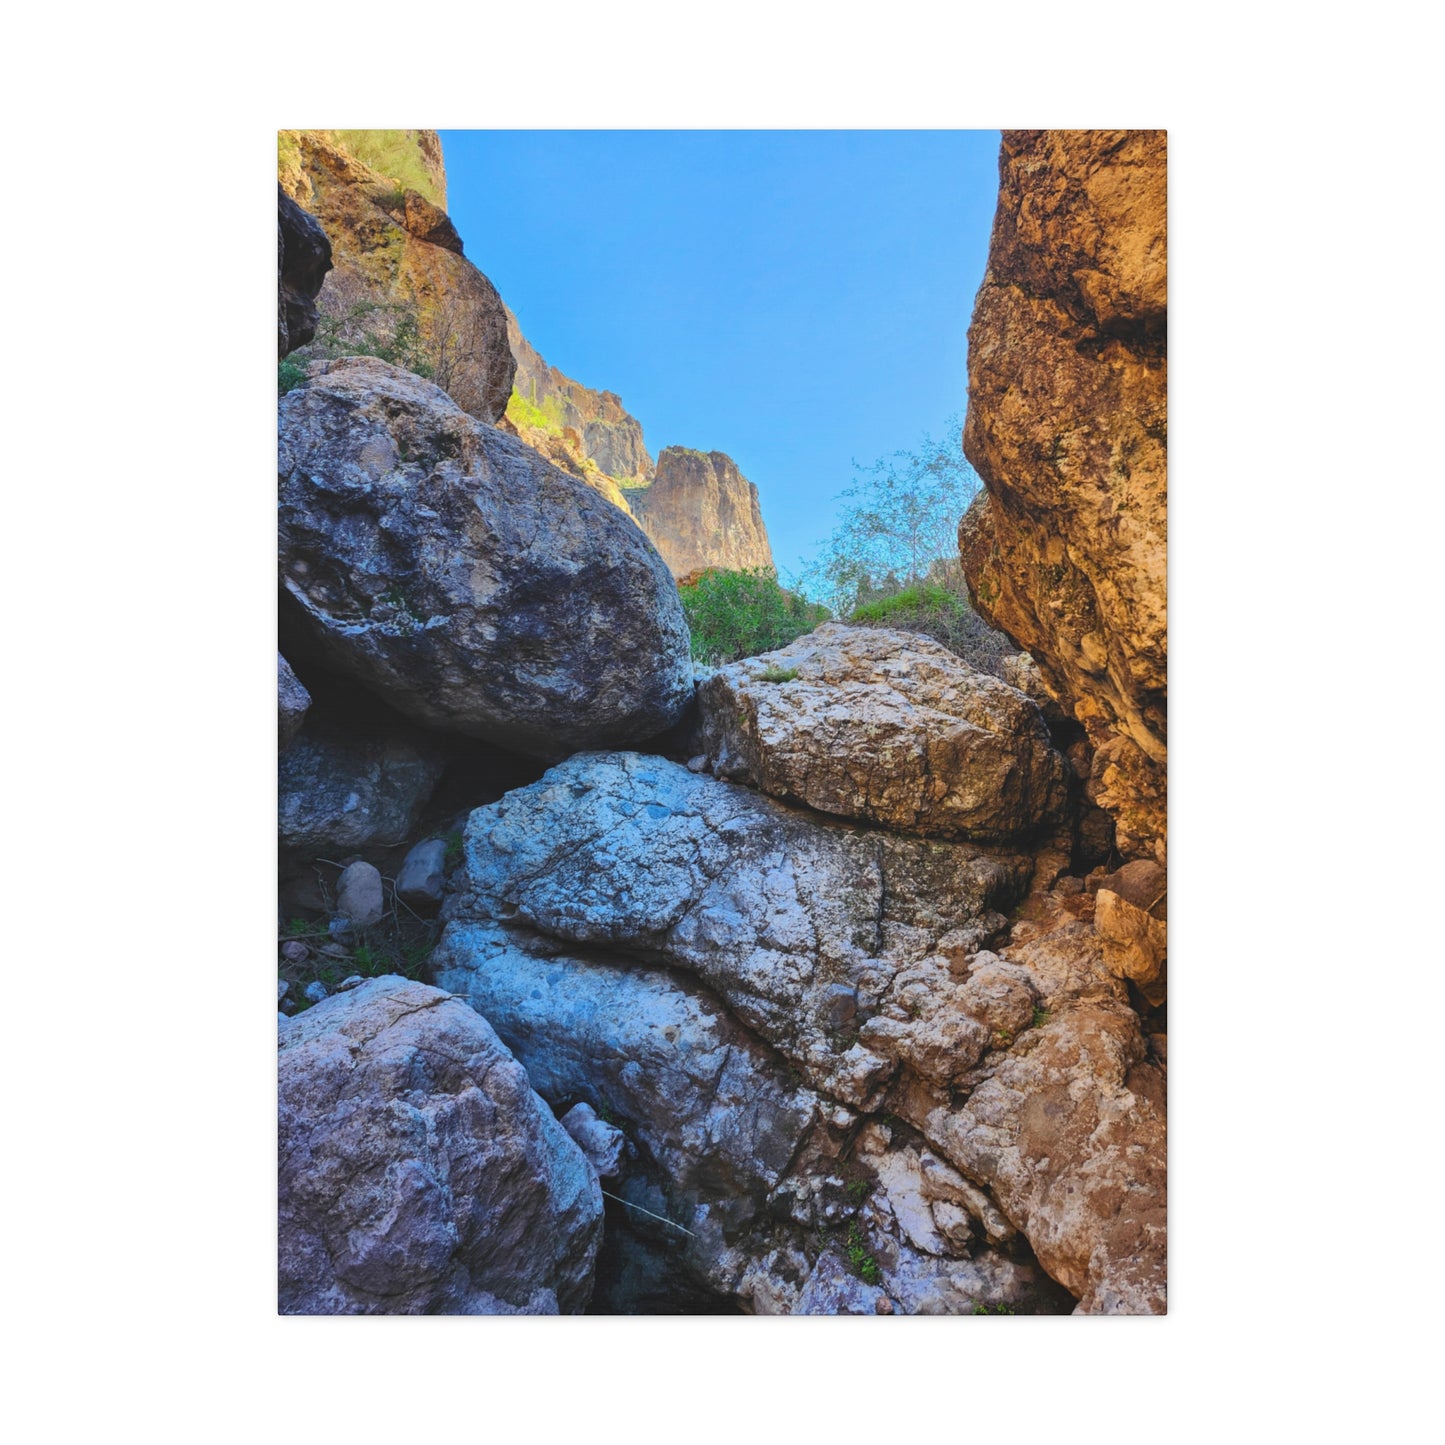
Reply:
x=281 y=989
x=355 y=981
x=294 y=951
x=315 y=992
x=883 y=1305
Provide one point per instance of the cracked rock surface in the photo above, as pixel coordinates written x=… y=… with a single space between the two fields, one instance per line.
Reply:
x=419 y=1172
x=833 y=988
x=886 y=726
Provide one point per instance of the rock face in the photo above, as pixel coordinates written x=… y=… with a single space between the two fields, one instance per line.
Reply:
x=465 y=581
x=860 y=959
x=1067 y=427
x=399 y=265
x=885 y=726
x=733 y=1165
x=1068 y=1128
x=419 y=1173
x=303 y=257
x=800 y=925
x=292 y=700
x=549 y=404
x=701 y=512
x=343 y=788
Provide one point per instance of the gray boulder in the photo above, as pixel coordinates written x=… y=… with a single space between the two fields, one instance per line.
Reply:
x=886 y=726
x=342 y=789
x=463 y=578
x=360 y=898
x=423 y=875
x=419 y=1173
x=773 y=909
x=603 y=1144
x=292 y=700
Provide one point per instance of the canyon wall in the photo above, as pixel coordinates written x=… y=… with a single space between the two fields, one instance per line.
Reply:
x=546 y=400
x=701 y=512
x=401 y=287
x=1065 y=549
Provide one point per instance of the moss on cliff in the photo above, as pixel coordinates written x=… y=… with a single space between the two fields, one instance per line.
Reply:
x=397 y=155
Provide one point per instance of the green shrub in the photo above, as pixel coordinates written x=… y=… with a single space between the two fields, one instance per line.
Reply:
x=942 y=613
x=732 y=615
x=387 y=330
x=293 y=373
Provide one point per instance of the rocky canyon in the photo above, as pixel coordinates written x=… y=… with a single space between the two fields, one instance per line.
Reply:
x=826 y=981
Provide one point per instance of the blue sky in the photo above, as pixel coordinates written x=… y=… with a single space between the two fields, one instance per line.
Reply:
x=797 y=299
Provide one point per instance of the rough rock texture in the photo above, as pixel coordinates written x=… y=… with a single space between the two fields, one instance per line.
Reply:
x=734 y=1169
x=1068 y=1127
x=802 y=926
x=419 y=1173
x=552 y=405
x=342 y=788
x=397 y=254
x=701 y=512
x=1130 y=913
x=1067 y=427
x=886 y=726
x=860 y=958
x=303 y=257
x=292 y=701
x=461 y=578
x=603 y=1145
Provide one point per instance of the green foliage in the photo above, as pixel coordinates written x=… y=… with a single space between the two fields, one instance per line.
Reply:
x=774 y=673
x=937 y=607
x=899 y=517
x=293 y=374
x=524 y=411
x=860 y=1260
x=387 y=330
x=395 y=154
x=1040 y=1018
x=983 y=1309
x=733 y=615
x=453 y=855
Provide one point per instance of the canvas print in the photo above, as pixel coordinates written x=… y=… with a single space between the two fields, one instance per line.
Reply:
x=722 y=832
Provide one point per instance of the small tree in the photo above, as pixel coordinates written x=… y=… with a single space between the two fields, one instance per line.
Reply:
x=898 y=519
x=732 y=615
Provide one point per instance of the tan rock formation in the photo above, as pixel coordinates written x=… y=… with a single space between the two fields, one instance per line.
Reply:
x=1066 y=425
x=886 y=726
x=592 y=427
x=701 y=512
x=397 y=256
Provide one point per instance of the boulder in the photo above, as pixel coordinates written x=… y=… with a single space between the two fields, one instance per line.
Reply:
x=419 y=1173
x=303 y=257
x=737 y=1173
x=771 y=908
x=886 y=726
x=602 y=1143
x=1135 y=945
x=342 y=789
x=423 y=874
x=463 y=579
x=360 y=899
x=1067 y=426
x=856 y=956
x=292 y=700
